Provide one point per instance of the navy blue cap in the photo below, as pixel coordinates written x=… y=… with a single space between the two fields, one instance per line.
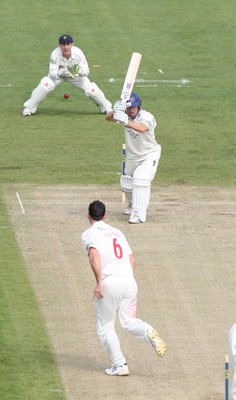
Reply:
x=63 y=39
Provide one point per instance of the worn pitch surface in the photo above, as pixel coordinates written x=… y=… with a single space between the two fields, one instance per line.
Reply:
x=185 y=257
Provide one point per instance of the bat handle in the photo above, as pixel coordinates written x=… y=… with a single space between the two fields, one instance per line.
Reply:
x=123 y=198
x=123 y=158
x=227 y=377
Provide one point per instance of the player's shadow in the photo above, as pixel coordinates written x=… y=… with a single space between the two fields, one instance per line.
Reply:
x=57 y=112
x=85 y=363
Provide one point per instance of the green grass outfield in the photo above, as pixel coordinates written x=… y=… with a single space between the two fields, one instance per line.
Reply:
x=69 y=142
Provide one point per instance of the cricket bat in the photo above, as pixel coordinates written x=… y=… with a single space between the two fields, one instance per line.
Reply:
x=130 y=76
x=126 y=92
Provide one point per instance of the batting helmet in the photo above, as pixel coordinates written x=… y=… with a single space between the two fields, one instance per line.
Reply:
x=135 y=100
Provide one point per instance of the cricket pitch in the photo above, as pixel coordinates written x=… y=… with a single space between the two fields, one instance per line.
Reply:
x=185 y=255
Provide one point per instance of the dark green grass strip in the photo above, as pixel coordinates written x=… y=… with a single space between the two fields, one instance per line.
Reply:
x=27 y=367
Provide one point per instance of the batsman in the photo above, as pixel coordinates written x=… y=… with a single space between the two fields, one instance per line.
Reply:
x=142 y=155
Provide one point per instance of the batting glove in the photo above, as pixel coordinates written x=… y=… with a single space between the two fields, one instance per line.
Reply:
x=121 y=116
x=120 y=105
x=64 y=73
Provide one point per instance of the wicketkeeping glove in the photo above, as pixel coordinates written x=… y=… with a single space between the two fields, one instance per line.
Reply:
x=121 y=116
x=64 y=73
x=76 y=71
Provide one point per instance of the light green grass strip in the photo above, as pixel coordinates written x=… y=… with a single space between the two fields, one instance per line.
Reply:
x=68 y=141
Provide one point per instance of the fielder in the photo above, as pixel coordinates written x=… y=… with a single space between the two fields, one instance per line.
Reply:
x=67 y=64
x=142 y=155
x=113 y=264
x=232 y=353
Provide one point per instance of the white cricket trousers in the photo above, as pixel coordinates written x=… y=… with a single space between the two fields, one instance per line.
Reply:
x=232 y=353
x=120 y=297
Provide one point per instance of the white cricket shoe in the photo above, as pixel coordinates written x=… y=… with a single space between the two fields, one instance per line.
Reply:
x=157 y=343
x=27 y=112
x=134 y=219
x=118 y=370
x=128 y=210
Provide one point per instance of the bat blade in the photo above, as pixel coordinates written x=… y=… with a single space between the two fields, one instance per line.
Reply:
x=130 y=76
x=123 y=169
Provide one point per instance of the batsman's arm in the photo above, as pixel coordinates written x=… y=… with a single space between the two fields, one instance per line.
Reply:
x=136 y=126
x=109 y=116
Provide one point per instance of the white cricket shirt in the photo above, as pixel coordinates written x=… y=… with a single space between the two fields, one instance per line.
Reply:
x=112 y=247
x=58 y=60
x=142 y=146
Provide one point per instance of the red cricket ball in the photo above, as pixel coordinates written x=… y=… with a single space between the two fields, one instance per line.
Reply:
x=66 y=96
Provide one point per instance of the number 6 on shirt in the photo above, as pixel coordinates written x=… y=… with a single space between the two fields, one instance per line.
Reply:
x=117 y=249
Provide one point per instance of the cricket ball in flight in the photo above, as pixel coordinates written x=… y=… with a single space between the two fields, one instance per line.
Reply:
x=66 y=96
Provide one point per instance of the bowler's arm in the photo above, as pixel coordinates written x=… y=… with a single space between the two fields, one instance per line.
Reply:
x=94 y=260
